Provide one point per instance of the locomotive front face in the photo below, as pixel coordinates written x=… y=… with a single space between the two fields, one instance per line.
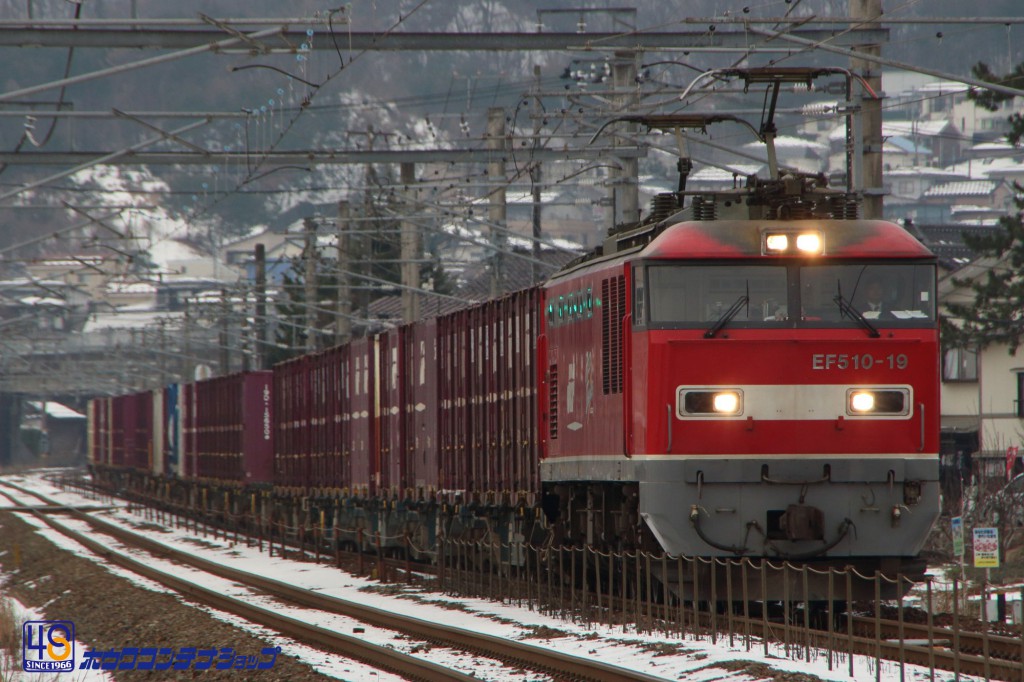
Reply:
x=791 y=401
x=782 y=392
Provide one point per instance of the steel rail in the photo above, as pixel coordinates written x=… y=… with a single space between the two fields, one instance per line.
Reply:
x=1003 y=660
x=553 y=662
x=382 y=658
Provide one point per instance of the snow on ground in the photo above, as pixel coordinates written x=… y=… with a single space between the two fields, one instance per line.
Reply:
x=696 y=658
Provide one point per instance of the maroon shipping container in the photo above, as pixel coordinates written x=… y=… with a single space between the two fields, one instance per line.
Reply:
x=188 y=431
x=292 y=414
x=231 y=421
x=391 y=385
x=527 y=437
x=122 y=429
x=422 y=409
x=329 y=424
x=453 y=379
x=311 y=397
x=362 y=443
x=487 y=401
x=139 y=455
x=100 y=431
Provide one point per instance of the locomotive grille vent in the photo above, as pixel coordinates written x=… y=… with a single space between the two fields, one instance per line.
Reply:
x=613 y=309
x=553 y=402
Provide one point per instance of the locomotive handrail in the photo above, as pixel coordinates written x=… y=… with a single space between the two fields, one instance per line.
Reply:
x=668 y=448
x=920 y=409
x=772 y=481
x=627 y=392
x=695 y=522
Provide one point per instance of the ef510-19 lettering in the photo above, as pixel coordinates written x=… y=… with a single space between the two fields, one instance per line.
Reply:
x=841 y=361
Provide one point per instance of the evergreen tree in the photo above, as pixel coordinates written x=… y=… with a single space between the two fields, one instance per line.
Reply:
x=376 y=254
x=992 y=100
x=996 y=313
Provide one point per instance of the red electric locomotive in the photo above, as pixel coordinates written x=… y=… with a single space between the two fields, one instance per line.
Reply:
x=750 y=373
x=753 y=376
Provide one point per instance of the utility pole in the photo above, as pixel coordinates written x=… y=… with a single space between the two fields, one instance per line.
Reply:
x=496 y=175
x=261 y=307
x=625 y=190
x=410 y=247
x=185 y=370
x=366 y=241
x=535 y=179
x=309 y=292
x=869 y=12
x=343 y=323
x=225 y=355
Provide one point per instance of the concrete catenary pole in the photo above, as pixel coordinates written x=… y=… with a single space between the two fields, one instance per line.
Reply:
x=496 y=176
x=869 y=12
x=535 y=179
x=625 y=191
x=309 y=294
x=225 y=338
x=261 y=307
x=343 y=323
x=410 y=247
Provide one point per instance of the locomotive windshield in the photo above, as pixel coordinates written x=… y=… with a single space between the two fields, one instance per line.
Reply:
x=826 y=294
x=700 y=294
x=879 y=292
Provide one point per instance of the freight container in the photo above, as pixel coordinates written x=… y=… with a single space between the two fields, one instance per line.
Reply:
x=422 y=410
x=391 y=387
x=362 y=442
x=292 y=415
x=231 y=422
x=122 y=429
x=172 y=440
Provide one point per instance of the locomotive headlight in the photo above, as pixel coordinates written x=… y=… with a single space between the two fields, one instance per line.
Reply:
x=694 y=402
x=862 y=401
x=809 y=242
x=776 y=243
x=793 y=242
x=727 y=402
x=878 y=401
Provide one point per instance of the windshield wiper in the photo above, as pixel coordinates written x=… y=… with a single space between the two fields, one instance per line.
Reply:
x=846 y=307
x=743 y=300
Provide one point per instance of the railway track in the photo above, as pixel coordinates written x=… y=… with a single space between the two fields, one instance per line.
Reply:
x=511 y=653
x=961 y=651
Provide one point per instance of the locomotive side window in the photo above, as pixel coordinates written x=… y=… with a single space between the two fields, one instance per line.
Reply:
x=699 y=294
x=639 y=302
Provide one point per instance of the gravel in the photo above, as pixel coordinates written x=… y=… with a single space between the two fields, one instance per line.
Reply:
x=111 y=612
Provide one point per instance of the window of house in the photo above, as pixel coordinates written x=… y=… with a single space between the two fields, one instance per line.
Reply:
x=1020 y=395
x=960 y=364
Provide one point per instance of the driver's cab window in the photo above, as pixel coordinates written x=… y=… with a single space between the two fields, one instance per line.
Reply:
x=701 y=295
x=878 y=292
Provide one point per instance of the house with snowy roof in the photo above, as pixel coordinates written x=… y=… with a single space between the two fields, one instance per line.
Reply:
x=910 y=143
x=938 y=201
x=905 y=187
x=799 y=153
x=717 y=178
x=57 y=432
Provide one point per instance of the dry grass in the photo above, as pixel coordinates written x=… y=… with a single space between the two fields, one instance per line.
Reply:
x=10 y=642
